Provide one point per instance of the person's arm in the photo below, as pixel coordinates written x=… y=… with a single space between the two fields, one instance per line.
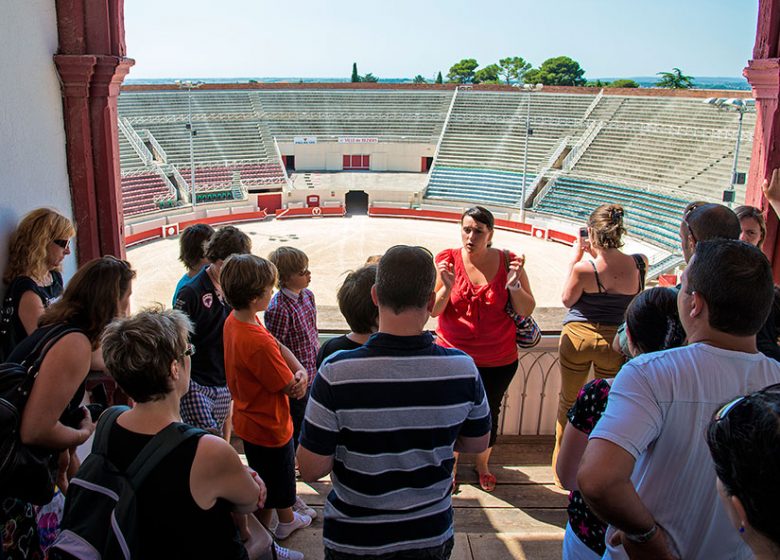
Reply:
x=474 y=435
x=472 y=444
x=277 y=320
x=771 y=188
x=30 y=310
x=300 y=382
x=217 y=472
x=445 y=279
x=519 y=287
x=572 y=448
x=572 y=289
x=604 y=479
x=312 y=465
x=62 y=371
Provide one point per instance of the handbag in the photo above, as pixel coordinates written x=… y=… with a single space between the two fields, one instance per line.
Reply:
x=27 y=472
x=527 y=331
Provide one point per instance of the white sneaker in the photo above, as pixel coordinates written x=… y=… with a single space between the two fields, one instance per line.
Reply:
x=287 y=554
x=301 y=507
x=284 y=530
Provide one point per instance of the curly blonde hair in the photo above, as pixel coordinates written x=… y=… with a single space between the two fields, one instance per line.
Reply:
x=29 y=243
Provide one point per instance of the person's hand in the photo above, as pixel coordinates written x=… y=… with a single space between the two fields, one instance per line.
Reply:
x=86 y=426
x=771 y=188
x=261 y=484
x=446 y=271
x=514 y=273
x=298 y=390
x=657 y=548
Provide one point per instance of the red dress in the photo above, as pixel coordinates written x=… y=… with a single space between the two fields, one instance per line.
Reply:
x=475 y=319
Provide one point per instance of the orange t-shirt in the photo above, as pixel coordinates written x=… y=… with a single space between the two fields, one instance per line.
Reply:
x=256 y=374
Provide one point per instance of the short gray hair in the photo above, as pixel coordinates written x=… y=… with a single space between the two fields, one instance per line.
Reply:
x=139 y=351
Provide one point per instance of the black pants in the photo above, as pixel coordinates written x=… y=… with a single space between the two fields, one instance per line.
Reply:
x=496 y=381
x=297 y=411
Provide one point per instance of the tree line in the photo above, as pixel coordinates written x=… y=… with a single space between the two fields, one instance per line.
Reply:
x=556 y=71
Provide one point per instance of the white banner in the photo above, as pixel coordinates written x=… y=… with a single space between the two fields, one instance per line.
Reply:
x=304 y=140
x=357 y=140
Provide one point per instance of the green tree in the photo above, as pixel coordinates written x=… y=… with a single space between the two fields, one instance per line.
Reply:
x=418 y=79
x=487 y=75
x=674 y=80
x=597 y=83
x=623 y=84
x=513 y=68
x=355 y=75
x=558 y=71
x=463 y=71
x=438 y=78
x=369 y=78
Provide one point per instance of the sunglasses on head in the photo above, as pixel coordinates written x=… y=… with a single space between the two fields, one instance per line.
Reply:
x=687 y=214
x=190 y=351
x=723 y=411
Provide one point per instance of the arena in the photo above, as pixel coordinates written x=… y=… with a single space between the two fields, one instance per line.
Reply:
x=346 y=171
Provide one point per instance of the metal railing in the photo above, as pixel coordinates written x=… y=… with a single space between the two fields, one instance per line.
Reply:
x=441 y=139
x=592 y=106
x=579 y=148
x=157 y=147
x=135 y=141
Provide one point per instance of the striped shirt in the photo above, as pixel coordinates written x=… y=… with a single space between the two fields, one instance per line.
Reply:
x=292 y=319
x=389 y=413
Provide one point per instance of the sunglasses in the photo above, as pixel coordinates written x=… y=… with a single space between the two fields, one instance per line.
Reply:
x=62 y=243
x=687 y=215
x=190 y=351
x=723 y=411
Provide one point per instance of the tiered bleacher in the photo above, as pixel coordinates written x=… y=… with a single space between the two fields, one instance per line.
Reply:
x=649 y=215
x=482 y=151
x=684 y=147
x=144 y=192
x=390 y=116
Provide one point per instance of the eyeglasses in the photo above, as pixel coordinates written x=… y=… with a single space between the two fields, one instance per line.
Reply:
x=190 y=351
x=723 y=411
x=62 y=243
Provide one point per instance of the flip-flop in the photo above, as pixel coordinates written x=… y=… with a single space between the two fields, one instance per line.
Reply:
x=487 y=481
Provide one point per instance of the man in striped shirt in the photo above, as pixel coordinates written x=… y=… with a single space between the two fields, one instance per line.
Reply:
x=385 y=418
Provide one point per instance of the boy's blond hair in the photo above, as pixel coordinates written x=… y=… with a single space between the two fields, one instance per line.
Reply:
x=244 y=278
x=289 y=262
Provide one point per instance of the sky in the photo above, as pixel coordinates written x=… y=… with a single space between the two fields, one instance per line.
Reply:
x=403 y=38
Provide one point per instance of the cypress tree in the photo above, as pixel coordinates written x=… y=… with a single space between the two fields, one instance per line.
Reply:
x=438 y=78
x=355 y=75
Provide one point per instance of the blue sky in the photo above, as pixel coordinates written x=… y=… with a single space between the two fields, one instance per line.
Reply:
x=402 y=38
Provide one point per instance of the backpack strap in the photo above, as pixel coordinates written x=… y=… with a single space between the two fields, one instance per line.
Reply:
x=103 y=430
x=158 y=448
x=506 y=259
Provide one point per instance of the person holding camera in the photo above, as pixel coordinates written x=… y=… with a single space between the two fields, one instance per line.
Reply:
x=596 y=293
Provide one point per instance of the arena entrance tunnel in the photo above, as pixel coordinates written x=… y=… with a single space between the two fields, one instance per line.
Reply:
x=356 y=203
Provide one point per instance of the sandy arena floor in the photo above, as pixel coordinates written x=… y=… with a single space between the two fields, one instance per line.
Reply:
x=338 y=245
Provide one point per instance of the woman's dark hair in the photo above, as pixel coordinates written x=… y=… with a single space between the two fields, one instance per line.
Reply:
x=653 y=321
x=745 y=446
x=91 y=298
x=192 y=244
x=755 y=213
x=606 y=224
x=481 y=215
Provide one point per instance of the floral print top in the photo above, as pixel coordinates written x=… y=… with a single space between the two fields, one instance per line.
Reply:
x=583 y=415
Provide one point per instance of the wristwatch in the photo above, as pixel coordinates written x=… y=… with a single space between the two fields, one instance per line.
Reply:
x=642 y=537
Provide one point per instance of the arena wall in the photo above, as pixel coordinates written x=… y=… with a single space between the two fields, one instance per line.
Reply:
x=33 y=167
x=384 y=156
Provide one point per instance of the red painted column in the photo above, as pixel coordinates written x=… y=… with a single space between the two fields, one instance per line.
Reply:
x=110 y=71
x=92 y=66
x=75 y=74
x=763 y=73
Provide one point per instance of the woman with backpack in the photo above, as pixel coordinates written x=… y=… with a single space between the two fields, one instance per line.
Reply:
x=33 y=276
x=200 y=515
x=53 y=418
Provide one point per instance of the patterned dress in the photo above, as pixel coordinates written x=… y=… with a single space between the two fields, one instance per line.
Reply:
x=583 y=415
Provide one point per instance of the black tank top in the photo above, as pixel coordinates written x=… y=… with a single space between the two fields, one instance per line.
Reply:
x=172 y=524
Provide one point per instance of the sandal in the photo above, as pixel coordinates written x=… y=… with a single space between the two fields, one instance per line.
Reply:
x=487 y=481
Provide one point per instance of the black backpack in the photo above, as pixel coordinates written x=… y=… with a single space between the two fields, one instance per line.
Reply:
x=99 y=520
x=7 y=334
x=26 y=472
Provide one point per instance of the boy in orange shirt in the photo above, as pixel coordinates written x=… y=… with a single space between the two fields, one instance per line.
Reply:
x=260 y=377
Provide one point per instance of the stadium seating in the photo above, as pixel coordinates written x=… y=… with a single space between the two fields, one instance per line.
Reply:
x=145 y=192
x=650 y=215
x=476 y=185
